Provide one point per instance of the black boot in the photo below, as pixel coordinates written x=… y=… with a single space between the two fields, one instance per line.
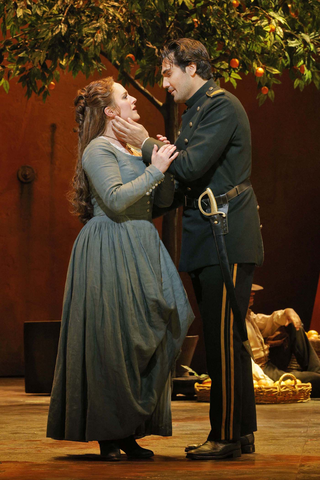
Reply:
x=133 y=450
x=109 y=450
x=211 y=450
x=247 y=444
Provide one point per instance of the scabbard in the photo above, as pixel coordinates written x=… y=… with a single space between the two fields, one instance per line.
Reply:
x=217 y=228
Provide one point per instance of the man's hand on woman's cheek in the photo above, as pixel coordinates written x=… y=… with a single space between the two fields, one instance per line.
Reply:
x=129 y=131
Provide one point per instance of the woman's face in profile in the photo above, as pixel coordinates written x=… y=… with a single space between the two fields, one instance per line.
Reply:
x=125 y=102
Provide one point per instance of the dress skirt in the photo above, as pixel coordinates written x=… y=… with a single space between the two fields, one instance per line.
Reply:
x=125 y=316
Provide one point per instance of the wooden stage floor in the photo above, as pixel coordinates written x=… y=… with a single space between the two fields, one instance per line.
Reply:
x=287 y=445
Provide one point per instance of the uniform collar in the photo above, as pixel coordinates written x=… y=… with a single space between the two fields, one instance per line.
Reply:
x=199 y=93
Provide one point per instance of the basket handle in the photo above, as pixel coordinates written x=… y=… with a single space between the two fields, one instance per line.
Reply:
x=285 y=376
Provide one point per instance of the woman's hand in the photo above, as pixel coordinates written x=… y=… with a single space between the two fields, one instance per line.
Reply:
x=162 y=157
x=163 y=139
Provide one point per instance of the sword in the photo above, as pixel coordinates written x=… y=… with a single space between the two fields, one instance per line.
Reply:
x=215 y=218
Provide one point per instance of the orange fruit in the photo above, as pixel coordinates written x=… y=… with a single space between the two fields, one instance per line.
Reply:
x=52 y=86
x=195 y=22
x=289 y=382
x=293 y=14
x=130 y=55
x=207 y=381
x=302 y=69
x=265 y=383
x=313 y=337
x=259 y=72
x=235 y=3
x=264 y=90
x=234 y=63
x=312 y=333
x=272 y=28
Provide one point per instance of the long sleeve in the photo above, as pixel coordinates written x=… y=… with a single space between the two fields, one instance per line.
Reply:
x=269 y=324
x=101 y=166
x=209 y=141
x=207 y=144
x=164 y=192
x=260 y=326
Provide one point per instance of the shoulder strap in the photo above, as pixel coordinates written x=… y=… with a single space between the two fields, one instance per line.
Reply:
x=211 y=93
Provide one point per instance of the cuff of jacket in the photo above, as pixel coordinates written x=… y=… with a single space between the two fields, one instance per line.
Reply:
x=147 y=148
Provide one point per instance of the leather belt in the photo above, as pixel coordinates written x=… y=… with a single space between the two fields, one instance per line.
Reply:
x=220 y=199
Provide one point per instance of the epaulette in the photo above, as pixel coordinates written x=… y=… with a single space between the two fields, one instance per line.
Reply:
x=211 y=92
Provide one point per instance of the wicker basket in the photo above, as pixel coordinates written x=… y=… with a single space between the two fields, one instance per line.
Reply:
x=281 y=393
x=202 y=391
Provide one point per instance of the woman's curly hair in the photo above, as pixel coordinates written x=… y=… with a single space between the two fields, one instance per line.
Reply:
x=89 y=108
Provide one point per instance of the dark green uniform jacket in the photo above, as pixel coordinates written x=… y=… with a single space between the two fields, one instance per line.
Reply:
x=215 y=152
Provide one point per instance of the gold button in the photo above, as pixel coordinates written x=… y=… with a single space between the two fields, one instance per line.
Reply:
x=190 y=124
x=198 y=108
x=260 y=226
x=179 y=132
x=148 y=210
x=148 y=202
x=211 y=88
x=148 y=193
x=186 y=140
x=258 y=207
x=189 y=189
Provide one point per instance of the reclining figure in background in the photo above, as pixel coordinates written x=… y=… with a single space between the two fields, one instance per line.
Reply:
x=274 y=338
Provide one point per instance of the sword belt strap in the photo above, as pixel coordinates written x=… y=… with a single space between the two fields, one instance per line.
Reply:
x=220 y=199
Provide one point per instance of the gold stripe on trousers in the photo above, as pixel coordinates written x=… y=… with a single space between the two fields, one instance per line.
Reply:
x=227 y=359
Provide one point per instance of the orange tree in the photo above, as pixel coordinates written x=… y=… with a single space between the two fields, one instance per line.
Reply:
x=43 y=38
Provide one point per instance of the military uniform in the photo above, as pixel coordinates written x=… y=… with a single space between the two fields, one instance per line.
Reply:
x=214 y=146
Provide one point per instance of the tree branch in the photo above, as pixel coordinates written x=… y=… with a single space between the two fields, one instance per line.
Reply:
x=155 y=102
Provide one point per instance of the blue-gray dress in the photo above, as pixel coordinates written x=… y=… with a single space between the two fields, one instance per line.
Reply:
x=125 y=311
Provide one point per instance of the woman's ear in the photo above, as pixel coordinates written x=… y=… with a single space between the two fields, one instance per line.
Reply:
x=109 y=112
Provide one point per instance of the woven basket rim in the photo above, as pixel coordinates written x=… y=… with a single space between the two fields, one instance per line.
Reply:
x=281 y=393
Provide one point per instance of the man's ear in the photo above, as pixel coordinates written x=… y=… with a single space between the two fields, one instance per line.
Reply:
x=192 y=69
x=109 y=112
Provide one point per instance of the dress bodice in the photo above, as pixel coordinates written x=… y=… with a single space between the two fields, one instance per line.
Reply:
x=122 y=185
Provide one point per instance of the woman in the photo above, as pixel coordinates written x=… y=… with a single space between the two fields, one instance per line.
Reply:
x=125 y=311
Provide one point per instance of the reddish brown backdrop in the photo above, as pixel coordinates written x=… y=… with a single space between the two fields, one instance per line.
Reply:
x=37 y=230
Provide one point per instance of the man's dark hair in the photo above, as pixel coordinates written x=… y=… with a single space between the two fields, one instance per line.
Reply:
x=184 y=51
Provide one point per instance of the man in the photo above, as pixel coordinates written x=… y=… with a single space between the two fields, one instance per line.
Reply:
x=273 y=352
x=215 y=151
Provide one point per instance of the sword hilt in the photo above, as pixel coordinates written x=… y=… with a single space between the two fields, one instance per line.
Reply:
x=213 y=204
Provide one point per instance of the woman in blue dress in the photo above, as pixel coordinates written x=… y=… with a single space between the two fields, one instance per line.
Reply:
x=125 y=311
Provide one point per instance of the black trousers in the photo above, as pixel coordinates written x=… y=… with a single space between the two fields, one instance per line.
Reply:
x=299 y=345
x=232 y=402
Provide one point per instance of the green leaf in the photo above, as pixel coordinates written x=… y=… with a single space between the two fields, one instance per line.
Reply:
x=305 y=37
x=6 y=85
x=262 y=99
x=233 y=82
x=271 y=95
x=272 y=70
